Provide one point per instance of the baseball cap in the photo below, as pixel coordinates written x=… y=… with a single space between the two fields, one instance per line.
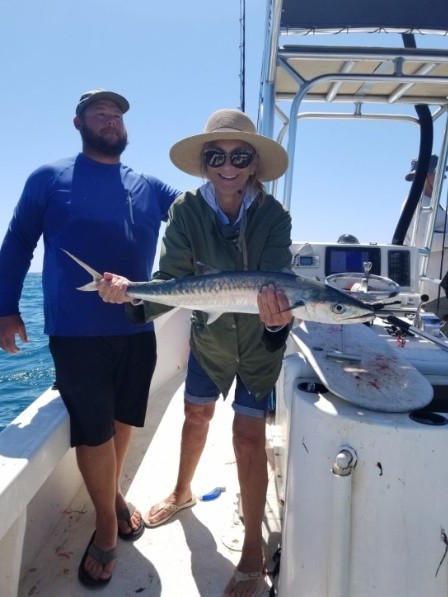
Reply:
x=348 y=238
x=89 y=97
x=433 y=160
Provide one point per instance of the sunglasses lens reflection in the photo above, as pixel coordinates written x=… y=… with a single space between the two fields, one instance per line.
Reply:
x=241 y=159
x=215 y=158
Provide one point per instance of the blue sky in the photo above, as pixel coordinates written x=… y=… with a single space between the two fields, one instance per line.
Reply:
x=177 y=62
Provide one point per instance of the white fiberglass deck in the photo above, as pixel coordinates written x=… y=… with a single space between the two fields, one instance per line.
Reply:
x=185 y=557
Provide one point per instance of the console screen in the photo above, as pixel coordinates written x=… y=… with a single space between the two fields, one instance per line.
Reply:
x=351 y=259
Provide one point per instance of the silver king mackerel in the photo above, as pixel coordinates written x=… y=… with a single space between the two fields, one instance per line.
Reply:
x=236 y=292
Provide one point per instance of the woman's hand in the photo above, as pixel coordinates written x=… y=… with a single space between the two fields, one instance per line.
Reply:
x=274 y=307
x=112 y=289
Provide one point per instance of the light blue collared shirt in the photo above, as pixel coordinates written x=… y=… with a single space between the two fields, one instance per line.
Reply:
x=208 y=192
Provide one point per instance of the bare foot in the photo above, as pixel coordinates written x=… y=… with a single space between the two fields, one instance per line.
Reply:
x=163 y=511
x=248 y=575
x=105 y=540
x=96 y=570
x=135 y=519
x=243 y=584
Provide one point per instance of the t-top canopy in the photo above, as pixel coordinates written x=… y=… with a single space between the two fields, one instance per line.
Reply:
x=391 y=15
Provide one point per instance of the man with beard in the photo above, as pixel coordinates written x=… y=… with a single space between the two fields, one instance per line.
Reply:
x=102 y=211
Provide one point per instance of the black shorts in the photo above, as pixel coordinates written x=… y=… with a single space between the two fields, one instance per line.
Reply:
x=103 y=379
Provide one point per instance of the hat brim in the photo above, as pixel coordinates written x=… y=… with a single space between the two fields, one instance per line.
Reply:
x=272 y=157
x=121 y=101
x=410 y=177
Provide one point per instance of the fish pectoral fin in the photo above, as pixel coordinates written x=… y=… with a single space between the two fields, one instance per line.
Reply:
x=295 y=305
x=212 y=316
x=95 y=275
x=292 y=307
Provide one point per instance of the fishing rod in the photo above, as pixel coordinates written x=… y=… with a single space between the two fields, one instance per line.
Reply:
x=409 y=328
x=243 y=55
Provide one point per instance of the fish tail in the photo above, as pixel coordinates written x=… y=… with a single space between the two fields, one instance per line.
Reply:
x=91 y=286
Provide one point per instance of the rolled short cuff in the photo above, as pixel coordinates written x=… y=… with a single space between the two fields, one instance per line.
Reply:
x=249 y=412
x=200 y=399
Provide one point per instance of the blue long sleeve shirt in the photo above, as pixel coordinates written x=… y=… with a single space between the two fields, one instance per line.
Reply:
x=107 y=215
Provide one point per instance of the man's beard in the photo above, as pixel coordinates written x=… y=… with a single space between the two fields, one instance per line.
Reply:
x=102 y=145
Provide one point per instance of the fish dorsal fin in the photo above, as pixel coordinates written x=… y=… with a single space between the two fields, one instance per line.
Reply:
x=204 y=269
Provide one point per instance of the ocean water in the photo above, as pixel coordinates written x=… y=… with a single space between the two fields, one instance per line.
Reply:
x=24 y=376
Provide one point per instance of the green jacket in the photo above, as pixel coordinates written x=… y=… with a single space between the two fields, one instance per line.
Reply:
x=234 y=343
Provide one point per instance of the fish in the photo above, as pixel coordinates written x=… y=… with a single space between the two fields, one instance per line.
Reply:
x=236 y=292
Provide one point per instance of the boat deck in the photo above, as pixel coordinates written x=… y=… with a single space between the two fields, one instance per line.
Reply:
x=189 y=556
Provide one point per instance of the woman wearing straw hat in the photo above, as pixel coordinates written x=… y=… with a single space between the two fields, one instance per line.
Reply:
x=232 y=224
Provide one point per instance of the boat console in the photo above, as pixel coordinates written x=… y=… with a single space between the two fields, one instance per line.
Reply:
x=344 y=266
x=358 y=435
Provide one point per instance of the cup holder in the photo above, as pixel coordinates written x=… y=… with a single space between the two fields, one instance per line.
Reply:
x=428 y=418
x=312 y=387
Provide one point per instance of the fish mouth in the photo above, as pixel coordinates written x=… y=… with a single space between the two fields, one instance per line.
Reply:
x=369 y=317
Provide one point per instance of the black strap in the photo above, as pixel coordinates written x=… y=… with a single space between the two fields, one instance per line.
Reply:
x=275 y=571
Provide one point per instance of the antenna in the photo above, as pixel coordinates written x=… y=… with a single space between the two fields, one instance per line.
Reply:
x=243 y=55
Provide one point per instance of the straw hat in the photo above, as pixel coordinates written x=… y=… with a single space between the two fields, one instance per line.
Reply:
x=230 y=124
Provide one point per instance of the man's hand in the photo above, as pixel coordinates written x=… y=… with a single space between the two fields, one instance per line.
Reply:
x=112 y=289
x=274 y=307
x=10 y=325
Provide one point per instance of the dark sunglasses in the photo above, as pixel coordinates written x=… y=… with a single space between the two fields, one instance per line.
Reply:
x=240 y=158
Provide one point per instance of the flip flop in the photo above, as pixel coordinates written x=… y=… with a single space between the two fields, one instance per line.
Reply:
x=172 y=510
x=103 y=557
x=126 y=514
x=245 y=576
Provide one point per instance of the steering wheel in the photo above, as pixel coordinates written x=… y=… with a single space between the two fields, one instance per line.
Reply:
x=364 y=287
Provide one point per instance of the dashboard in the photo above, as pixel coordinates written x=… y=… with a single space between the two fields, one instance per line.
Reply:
x=398 y=263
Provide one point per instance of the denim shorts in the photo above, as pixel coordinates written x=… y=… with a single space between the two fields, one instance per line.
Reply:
x=200 y=389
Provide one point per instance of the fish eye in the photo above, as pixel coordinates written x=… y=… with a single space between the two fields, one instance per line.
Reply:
x=338 y=309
